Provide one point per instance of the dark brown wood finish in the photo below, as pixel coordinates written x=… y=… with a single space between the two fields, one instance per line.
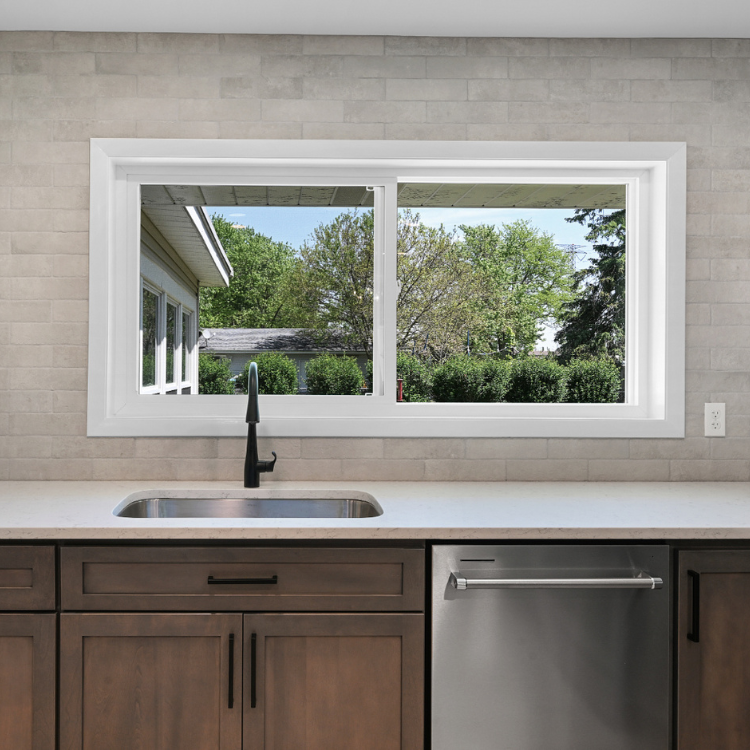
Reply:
x=330 y=682
x=713 y=686
x=176 y=578
x=27 y=578
x=153 y=682
x=27 y=681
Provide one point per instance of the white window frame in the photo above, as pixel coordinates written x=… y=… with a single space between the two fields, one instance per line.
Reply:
x=655 y=176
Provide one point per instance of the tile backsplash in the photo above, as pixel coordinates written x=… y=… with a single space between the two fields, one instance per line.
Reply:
x=58 y=89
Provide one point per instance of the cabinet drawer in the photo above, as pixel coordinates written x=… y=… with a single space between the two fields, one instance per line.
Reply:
x=27 y=578
x=237 y=579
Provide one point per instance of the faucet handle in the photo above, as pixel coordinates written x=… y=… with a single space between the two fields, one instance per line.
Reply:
x=264 y=466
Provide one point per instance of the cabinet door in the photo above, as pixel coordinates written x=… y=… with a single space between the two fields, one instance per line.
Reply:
x=151 y=682
x=334 y=682
x=714 y=650
x=27 y=682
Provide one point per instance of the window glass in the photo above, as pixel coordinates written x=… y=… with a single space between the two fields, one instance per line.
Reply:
x=171 y=342
x=149 y=318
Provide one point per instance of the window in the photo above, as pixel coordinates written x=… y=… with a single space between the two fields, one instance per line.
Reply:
x=647 y=181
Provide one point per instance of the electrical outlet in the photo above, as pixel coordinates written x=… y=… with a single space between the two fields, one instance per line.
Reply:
x=715 y=420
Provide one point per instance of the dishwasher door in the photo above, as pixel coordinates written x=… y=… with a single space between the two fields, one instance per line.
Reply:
x=550 y=647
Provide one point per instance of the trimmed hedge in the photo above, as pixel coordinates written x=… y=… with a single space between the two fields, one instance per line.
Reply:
x=332 y=375
x=470 y=379
x=593 y=381
x=416 y=377
x=536 y=380
x=214 y=375
x=277 y=374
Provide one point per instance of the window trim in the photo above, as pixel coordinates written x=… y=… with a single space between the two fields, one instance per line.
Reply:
x=655 y=173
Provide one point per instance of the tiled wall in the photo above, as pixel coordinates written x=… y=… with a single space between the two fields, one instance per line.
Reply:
x=57 y=90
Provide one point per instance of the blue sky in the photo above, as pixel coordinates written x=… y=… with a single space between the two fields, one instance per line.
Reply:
x=297 y=225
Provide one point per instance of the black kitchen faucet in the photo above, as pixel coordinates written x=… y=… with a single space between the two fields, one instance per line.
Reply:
x=253 y=467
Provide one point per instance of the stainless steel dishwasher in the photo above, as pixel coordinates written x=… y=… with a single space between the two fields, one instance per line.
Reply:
x=550 y=647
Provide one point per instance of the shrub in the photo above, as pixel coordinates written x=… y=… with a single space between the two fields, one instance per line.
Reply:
x=536 y=380
x=332 y=375
x=277 y=374
x=465 y=379
x=593 y=381
x=214 y=375
x=416 y=376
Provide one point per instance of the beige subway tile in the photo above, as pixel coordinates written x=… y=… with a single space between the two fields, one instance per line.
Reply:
x=627 y=112
x=343 y=130
x=729 y=448
x=26 y=40
x=347 y=89
x=23 y=311
x=546 y=112
x=81 y=130
x=29 y=85
x=507 y=90
x=730 y=47
x=54 y=108
x=433 y=89
x=93 y=86
x=502 y=448
x=725 y=359
x=70 y=175
x=25 y=130
x=705 y=202
x=429 y=132
x=730 y=180
x=302 y=111
x=176 y=448
x=261 y=44
x=364 y=448
x=547 y=470
x=19 y=266
x=45 y=197
x=206 y=110
x=730 y=315
x=700 y=315
x=29 y=356
x=18 y=219
x=50 y=153
x=46 y=243
x=69 y=401
x=392 y=470
x=20 y=446
x=733 y=269
x=385 y=111
x=712 y=69
x=25 y=402
x=178 y=87
x=546 y=67
x=589 y=47
x=53 y=63
x=6 y=59
x=89 y=41
x=698 y=359
x=574 y=90
x=695 y=112
x=47 y=424
x=605 y=470
x=260 y=130
x=323 y=469
x=70 y=356
x=684 y=448
x=76 y=470
x=709 y=471
x=464 y=470
x=698 y=179
x=670 y=48
x=671 y=91
x=730 y=225
x=424 y=45
x=732 y=136
x=507 y=132
x=508 y=46
x=89 y=447
x=299 y=66
x=261 y=88
x=137 y=109
x=179 y=43
x=557 y=131
x=120 y=63
x=693 y=135
x=698 y=268
x=632 y=69
x=385 y=67
x=588 y=448
x=424 y=448
x=343 y=45
x=466 y=67
x=707 y=381
x=171 y=129
x=475 y=112
x=286 y=448
x=698 y=225
x=49 y=289
x=69 y=220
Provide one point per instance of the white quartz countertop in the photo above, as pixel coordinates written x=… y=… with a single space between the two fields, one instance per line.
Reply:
x=411 y=510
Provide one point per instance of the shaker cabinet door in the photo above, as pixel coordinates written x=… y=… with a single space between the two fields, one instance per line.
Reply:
x=334 y=682
x=713 y=650
x=27 y=682
x=151 y=682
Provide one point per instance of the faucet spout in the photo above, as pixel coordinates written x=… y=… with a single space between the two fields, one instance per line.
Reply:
x=253 y=467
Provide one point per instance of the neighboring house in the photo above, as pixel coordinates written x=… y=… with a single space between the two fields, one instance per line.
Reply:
x=239 y=345
x=180 y=252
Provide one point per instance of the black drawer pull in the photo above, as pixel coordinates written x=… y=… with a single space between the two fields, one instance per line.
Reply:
x=695 y=607
x=253 y=670
x=272 y=579
x=231 y=671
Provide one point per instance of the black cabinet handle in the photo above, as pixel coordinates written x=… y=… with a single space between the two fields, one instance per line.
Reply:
x=271 y=580
x=231 y=670
x=695 y=606
x=253 y=669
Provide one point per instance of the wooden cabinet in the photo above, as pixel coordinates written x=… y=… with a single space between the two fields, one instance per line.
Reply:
x=324 y=682
x=713 y=650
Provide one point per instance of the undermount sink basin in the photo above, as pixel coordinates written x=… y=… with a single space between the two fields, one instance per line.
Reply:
x=248 y=504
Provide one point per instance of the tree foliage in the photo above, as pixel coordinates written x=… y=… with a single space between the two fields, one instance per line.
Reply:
x=333 y=375
x=594 y=320
x=214 y=375
x=277 y=374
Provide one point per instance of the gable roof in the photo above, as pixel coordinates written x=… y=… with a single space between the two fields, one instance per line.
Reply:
x=226 y=340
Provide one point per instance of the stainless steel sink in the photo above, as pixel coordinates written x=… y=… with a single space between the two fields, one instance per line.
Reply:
x=249 y=504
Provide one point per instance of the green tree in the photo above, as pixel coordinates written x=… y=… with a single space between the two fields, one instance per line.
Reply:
x=332 y=375
x=594 y=320
x=259 y=294
x=214 y=375
x=277 y=374
x=522 y=280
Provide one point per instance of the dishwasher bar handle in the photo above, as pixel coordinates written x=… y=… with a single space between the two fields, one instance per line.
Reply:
x=641 y=581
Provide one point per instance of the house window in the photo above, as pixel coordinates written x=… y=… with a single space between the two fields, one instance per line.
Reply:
x=645 y=182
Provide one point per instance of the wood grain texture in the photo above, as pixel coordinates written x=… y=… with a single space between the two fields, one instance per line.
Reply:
x=149 y=682
x=309 y=579
x=336 y=681
x=714 y=673
x=27 y=682
x=27 y=578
